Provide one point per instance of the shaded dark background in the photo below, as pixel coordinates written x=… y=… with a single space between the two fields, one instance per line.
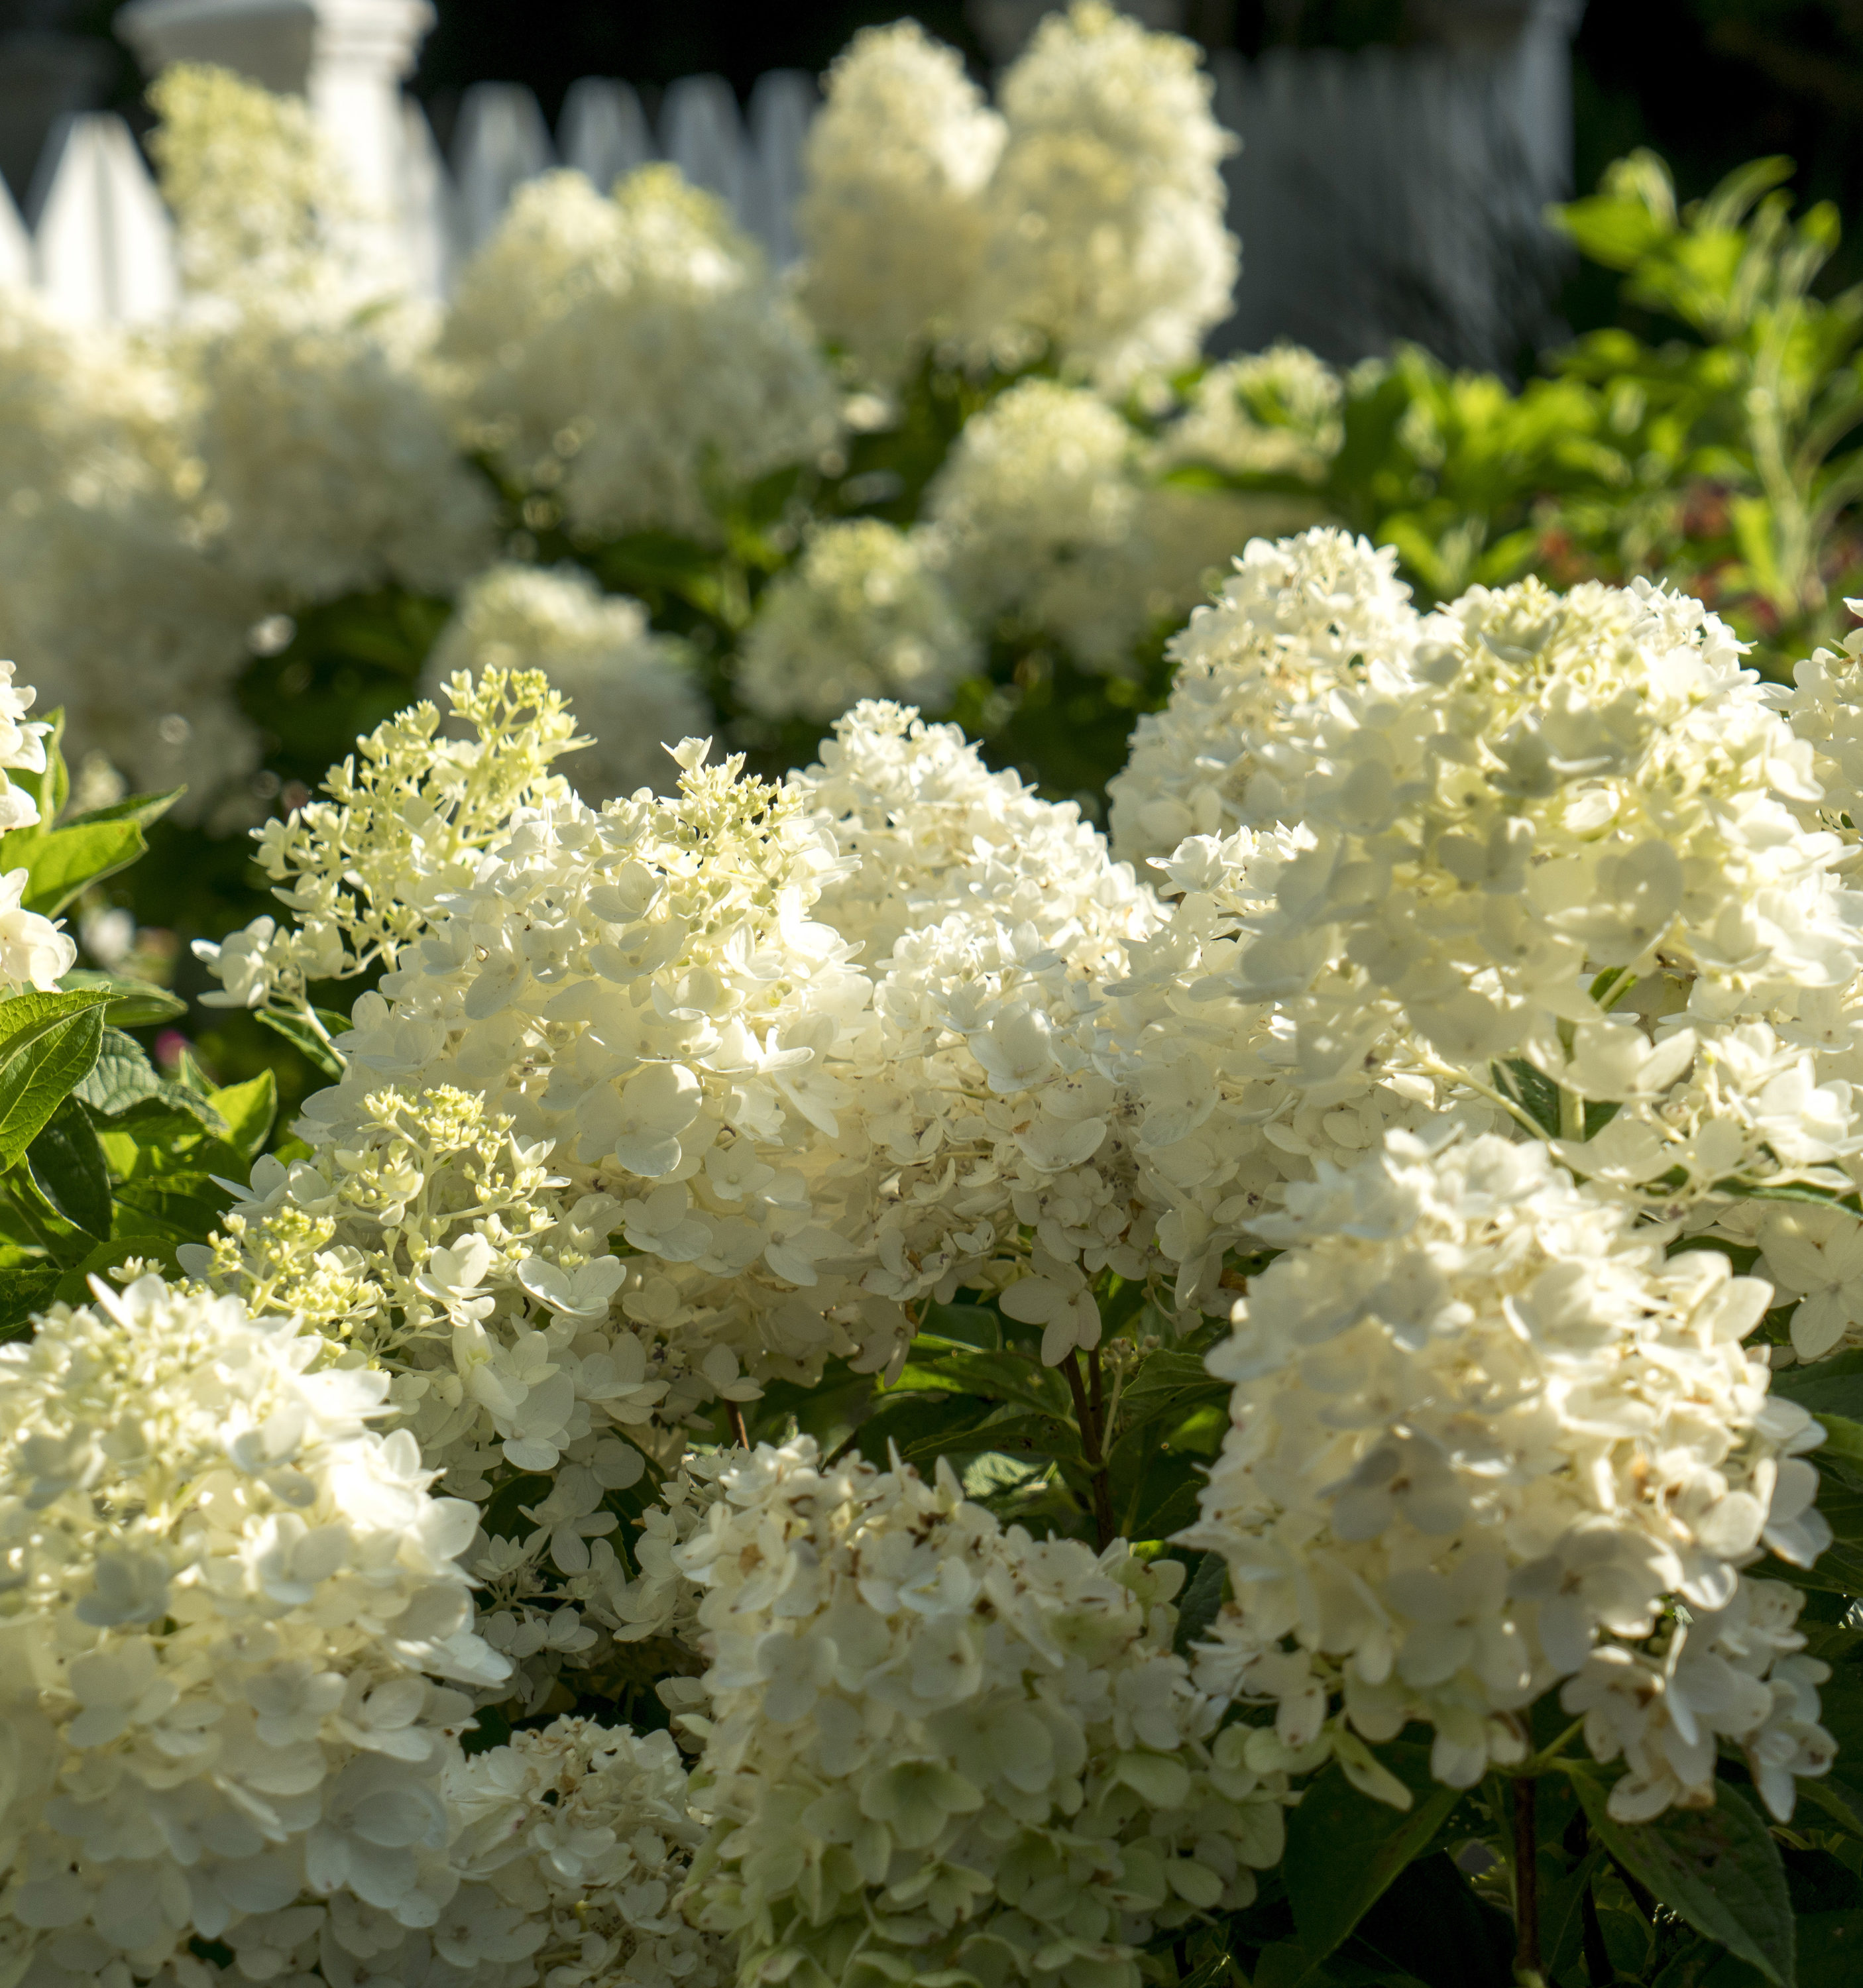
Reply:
x=1708 y=82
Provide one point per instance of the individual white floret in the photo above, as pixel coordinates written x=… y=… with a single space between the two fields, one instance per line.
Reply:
x=864 y=612
x=633 y=692
x=951 y=1738
x=632 y=355
x=1483 y=1435
x=892 y=218
x=1106 y=209
x=227 y=1598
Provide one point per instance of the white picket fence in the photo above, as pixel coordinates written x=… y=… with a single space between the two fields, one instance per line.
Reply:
x=100 y=250
x=1380 y=194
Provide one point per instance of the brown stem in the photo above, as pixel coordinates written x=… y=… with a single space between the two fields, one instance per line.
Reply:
x=735 y=1414
x=1525 y=1882
x=1597 y=1956
x=1086 y=1414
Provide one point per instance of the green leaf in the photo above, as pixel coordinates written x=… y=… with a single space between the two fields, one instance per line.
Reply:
x=1203 y=1598
x=1843 y=1439
x=248 y=1109
x=122 y=1075
x=1718 y=1868
x=133 y=1004
x=1345 y=1850
x=67 y=1167
x=305 y=1039
x=141 y=809
x=25 y=1290
x=30 y=1015
x=1430 y=1924
x=1833 y=1386
x=61 y=864
x=36 y=1079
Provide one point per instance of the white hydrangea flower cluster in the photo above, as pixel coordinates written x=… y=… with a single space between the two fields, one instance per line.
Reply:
x=633 y=689
x=1554 y=852
x=35 y=950
x=361 y=871
x=1483 y=1436
x=643 y=995
x=1293 y=621
x=891 y=217
x=1106 y=209
x=935 y=1740
x=260 y=202
x=632 y=358
x=1086 y=217
x=226 y=1597
x=1044 y=517
x=990 y=916
x=864 y=612
x=587 y=1832
x=1276 y=413
x=330 y=461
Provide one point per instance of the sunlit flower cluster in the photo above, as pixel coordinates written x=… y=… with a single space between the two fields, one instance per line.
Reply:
x=34 y=951
x=633 y=691
x=360 y=872
x=226 y=1600
x=1484 y=1435
x=932 y=1739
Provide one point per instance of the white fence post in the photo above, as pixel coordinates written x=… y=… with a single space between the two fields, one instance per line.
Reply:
x=502 y=141
x=16 y=246
x=702 y=133
x=347 y=58
x=782 y=104
x=103 y=248
x=603 y=130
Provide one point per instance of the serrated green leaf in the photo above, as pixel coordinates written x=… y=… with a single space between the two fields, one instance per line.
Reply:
x=1718 y=1868
x=36 y=1079
x=1345 y=1850
x=67 y=1167
x=30 y=1015
x=305 y=1039
x=60 y=865
x=24 y=1291
x=133 y=1004
x=122 y=1075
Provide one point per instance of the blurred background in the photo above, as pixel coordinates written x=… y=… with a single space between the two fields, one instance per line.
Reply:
x=1396 y=152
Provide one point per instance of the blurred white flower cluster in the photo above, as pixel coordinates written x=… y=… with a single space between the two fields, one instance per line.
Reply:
x=1086 y=216
x=34 y=950
x=619 y=367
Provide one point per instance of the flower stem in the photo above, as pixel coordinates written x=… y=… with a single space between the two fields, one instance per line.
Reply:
x=1526 y=1973
x=1087 y=1413
x=734 y=1413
